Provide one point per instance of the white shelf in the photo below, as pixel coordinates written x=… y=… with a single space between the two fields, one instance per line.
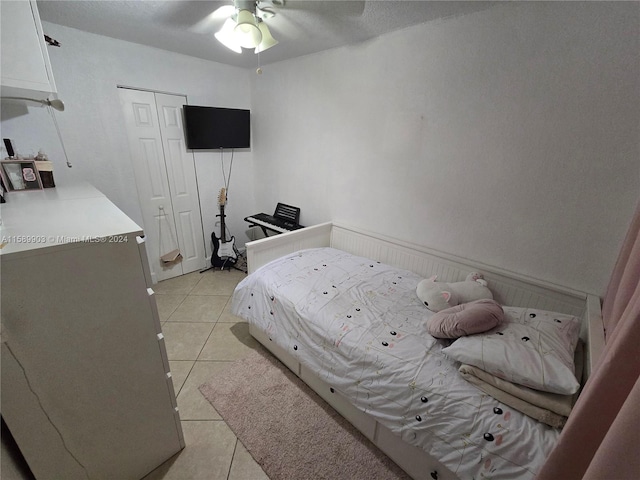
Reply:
x=26 y=68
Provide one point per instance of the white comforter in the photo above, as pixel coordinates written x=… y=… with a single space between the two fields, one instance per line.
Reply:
x=359 y=326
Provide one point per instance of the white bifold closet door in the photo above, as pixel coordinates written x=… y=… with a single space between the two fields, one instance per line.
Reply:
x=166 y=180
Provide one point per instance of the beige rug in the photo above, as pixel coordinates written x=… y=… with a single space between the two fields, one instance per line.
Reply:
x=288 y=429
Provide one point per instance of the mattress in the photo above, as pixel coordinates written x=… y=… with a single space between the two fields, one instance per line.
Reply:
x=359 y=326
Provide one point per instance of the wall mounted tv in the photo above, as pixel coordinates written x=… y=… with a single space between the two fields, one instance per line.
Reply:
x=213 y=127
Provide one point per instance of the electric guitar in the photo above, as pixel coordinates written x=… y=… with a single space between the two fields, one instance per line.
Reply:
x=224 y=251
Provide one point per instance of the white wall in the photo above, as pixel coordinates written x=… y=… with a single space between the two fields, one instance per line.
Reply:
x=87 y=70
x=508 y=136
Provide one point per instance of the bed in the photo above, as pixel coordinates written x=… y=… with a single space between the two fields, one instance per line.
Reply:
x=332 y=299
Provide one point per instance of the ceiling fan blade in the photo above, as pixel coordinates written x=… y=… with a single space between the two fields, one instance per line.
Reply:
x=223 y=12
x=211 y=21
x=332 y=7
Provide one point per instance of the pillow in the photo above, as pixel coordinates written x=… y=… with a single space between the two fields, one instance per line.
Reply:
x=465 y=319
x=531 y=347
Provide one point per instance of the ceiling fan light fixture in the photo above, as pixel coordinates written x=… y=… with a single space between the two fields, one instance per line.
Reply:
x=267 y=39
x=246 y=31
x=227 y=37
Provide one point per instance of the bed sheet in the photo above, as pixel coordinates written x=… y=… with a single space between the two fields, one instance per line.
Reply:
x=360 y=327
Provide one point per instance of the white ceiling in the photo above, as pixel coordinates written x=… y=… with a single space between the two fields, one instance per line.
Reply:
x=301 y=26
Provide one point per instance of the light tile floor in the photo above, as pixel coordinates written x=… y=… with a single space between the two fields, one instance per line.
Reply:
x=202 y=337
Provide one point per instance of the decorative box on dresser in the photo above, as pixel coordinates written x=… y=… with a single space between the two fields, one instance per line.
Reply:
x=86 y=386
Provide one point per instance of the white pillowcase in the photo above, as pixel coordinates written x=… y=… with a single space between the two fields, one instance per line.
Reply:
x=531 y=347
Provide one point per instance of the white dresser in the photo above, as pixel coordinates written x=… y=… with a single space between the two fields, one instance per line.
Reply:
x=86 y=388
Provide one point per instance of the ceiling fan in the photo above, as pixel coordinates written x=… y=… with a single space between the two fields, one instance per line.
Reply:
x=245 y=25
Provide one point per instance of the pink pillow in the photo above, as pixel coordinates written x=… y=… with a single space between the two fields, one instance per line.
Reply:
x=466 y=319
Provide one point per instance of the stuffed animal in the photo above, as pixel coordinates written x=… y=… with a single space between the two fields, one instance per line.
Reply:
x=440 y=295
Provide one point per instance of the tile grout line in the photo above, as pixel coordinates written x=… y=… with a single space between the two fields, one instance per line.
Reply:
x=192 y=370
x=208 y=337
x=233 y=456
x=205 y=342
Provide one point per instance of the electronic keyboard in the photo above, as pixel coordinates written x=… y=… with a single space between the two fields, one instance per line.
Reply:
x=284 y=219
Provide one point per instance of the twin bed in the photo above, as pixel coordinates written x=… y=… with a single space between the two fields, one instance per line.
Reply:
x=338 y=306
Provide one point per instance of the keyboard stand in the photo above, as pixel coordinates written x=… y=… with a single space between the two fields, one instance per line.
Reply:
x=265 y=230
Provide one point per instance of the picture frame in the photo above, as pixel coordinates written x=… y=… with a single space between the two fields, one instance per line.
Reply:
x=20 y=174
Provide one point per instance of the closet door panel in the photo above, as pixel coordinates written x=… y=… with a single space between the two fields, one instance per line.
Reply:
x=153 y=169
x=181 y=175
x=189 y=228
x=180 y=184
x=152 y=182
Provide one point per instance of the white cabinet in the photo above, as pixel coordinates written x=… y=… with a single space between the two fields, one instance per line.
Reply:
x=86 y=388
x=26 y=69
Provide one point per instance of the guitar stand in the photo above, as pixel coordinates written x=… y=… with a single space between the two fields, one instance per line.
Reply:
x=237 y=268
x=227 y=265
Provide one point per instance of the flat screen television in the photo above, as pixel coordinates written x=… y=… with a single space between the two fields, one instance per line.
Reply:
x=214 y=127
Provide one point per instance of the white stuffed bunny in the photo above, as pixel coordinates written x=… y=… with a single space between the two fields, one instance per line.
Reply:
x=440 y=295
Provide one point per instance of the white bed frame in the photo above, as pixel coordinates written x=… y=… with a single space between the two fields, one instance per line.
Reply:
x=508 y=288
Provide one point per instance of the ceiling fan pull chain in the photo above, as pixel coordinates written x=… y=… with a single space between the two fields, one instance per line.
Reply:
x=259 y=69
